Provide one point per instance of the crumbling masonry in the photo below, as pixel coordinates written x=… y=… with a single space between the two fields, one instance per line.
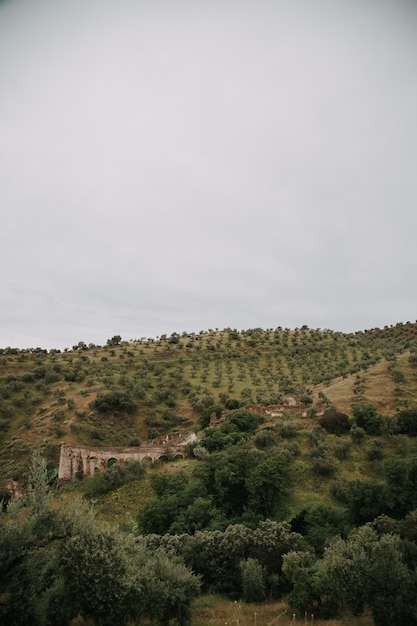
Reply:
x=79 y=461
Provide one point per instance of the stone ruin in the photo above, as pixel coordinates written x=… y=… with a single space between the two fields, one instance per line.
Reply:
x=79 y=461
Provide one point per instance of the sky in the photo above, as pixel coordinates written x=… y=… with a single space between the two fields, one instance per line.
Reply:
x=177 y=166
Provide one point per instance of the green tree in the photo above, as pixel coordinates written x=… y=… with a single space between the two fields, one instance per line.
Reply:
x=267 y=483
x=366 y=417
x=253 y=580
x=405 y=422
x=303 y=570
x=56 y=564
x=367 y=568
x=114 y=341
x=367 y=499
x=321 y=523
x=231 y=471
x=114 y=402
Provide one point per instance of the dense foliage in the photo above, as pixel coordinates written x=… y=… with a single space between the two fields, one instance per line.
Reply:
x=57 y=564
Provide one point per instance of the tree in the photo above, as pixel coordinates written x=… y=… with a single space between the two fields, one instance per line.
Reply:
x=114 y=341
x=367 y=568
x=38 y=489
x=267 y=483
x=335 y=422
x=114 y=401
x=245 y=421
x=253 y=580
x=364 y=569
x=405 y=422
x=114 y=579
x=319 y=524
x=366 y=417
x=367 y=499
x=303 y=570
x=57 y=564
x=401 y=476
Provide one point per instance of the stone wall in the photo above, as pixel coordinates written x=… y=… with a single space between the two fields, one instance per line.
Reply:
x=77 y=461
x=277 y=410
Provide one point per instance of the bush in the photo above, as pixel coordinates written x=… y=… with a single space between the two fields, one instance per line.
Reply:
x=265 y=439
x=357 y=434
x=104 y=482
x=317 y=436
x=324 y=466
x=244 y=420
x=4 y=424
x=114 y=401
x=405 y=422
x=335 y=422
x=339 y=490
x=287 y=430
x=342 y=450
x=366 y=417
x=253 y=580
x=368 y=499
x=204 y=419
x=231 y=404
x=318 y=524
x=375 y=452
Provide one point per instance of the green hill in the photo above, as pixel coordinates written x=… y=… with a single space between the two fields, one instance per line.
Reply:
x=300 y=487
x=46 y=398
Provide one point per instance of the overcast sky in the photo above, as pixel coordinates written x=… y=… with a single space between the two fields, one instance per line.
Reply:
x=182 y=165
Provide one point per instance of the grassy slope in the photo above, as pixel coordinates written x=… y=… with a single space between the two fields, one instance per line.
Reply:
x=45 y=397
x=217 y=611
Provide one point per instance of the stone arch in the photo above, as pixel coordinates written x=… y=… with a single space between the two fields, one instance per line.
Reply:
x=78 y=461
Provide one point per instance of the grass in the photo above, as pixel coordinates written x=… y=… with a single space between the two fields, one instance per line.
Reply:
x=213 y=610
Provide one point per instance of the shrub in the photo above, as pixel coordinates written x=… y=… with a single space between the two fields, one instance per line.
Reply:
x=405 y=422
x=324 y=466
x=357 y=434
x=104 y=482
x=244 y=420
x=341 y=450
x=253 y=580
x=4 y=424
x=286 y=430
x=413 y=359
x=335 y=422
x=114 y=401
x=368 y=499
x=317 y=436
x=339 y=490
x=265 y=439
x=231 y=404
x=366 y=416
x=375 y=452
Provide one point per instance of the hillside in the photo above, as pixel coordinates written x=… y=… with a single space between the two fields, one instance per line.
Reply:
x=297 y=489
x=168 y=383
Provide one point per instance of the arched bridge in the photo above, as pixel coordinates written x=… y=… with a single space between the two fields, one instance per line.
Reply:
x=82 y=461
